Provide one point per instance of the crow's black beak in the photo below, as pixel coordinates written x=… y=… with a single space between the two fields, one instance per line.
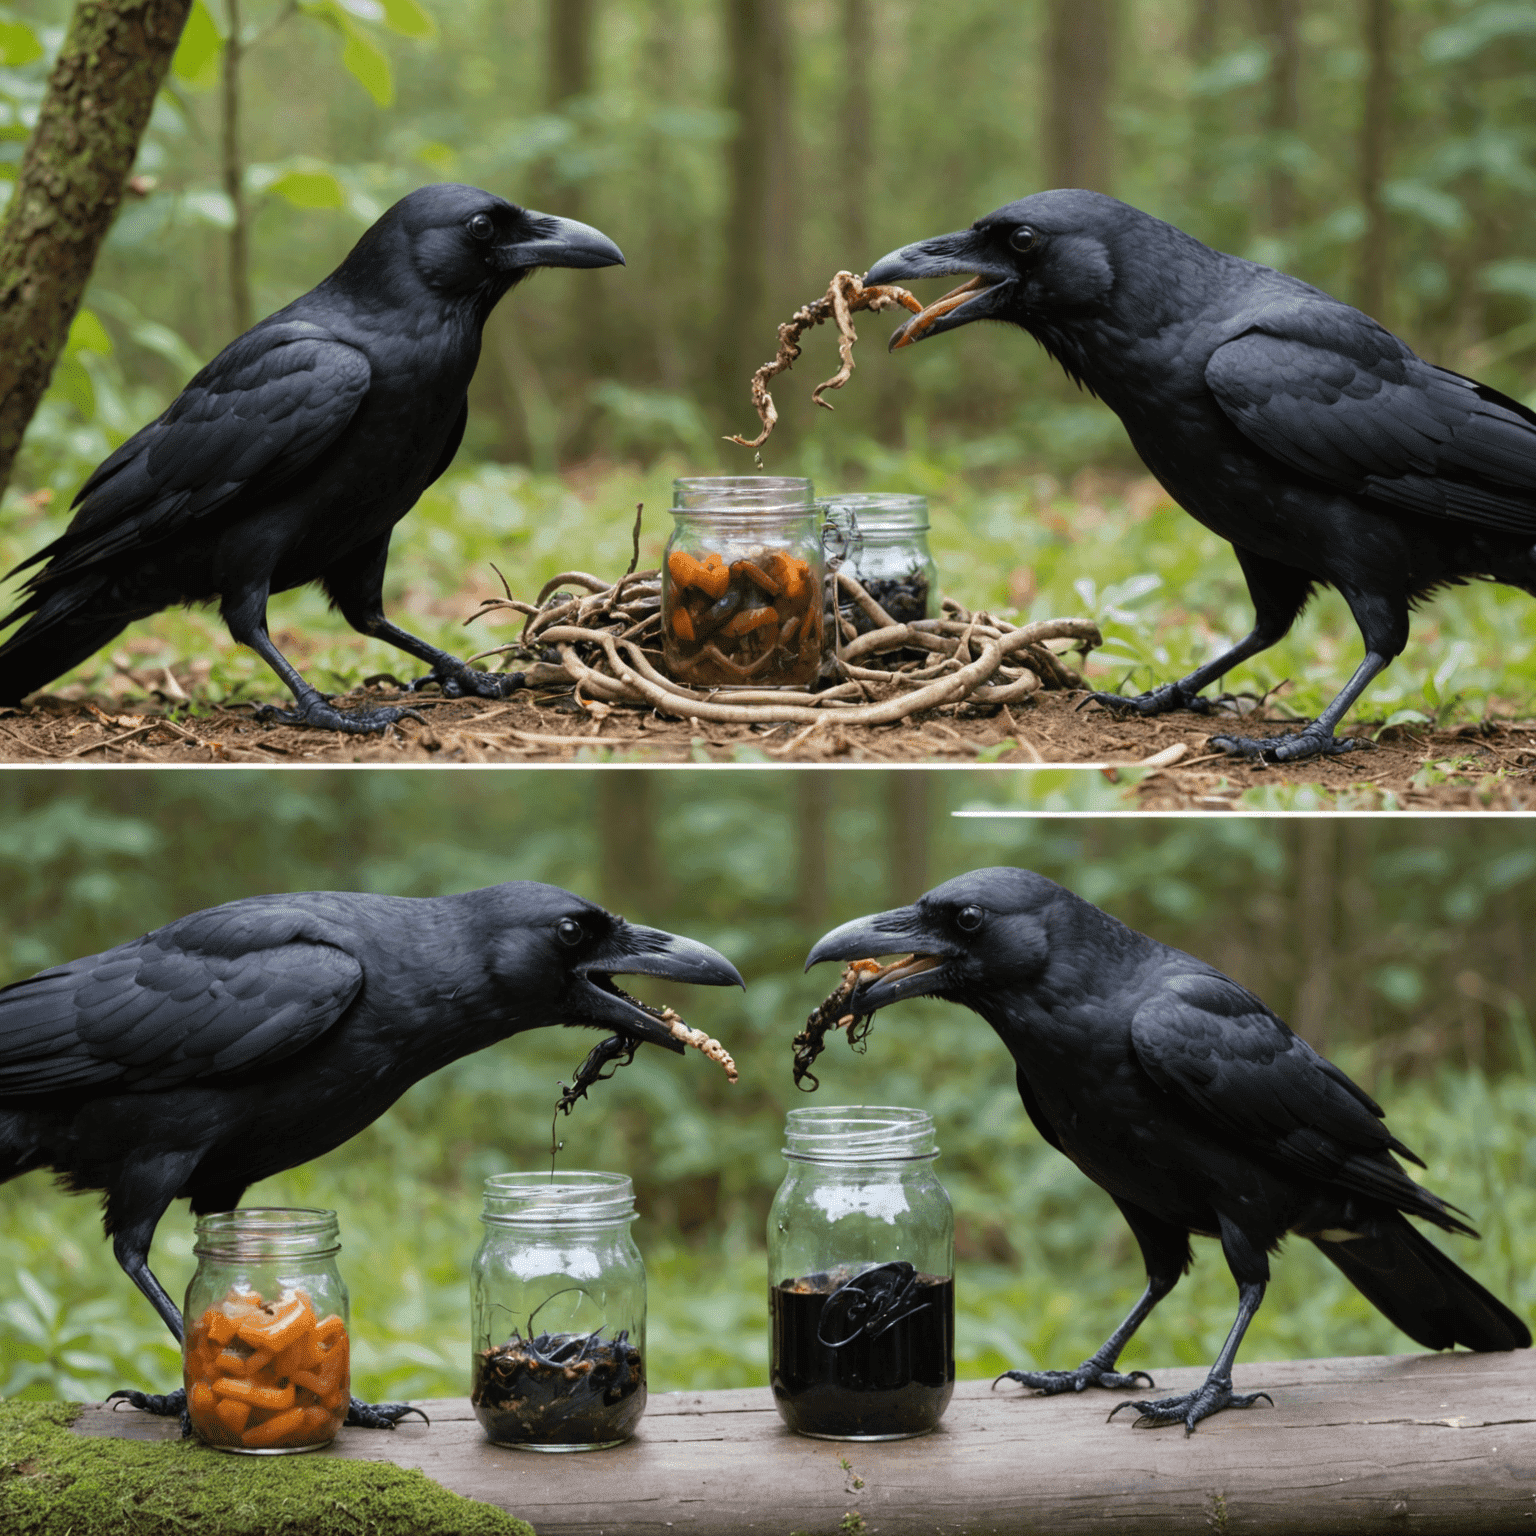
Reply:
x=560 y=242
x=889 y=933
x=966 y=252
x=636 y=951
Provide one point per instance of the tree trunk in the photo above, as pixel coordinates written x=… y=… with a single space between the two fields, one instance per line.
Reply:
x=855 y=136
x=629 y=869
x=1276 y=22
x=813 y=804
x=667 y=236
x=759 y=228
x=1205 y=121
x=100 y=94
x=240 y=308
x=1314 y=857
x=907 y=802
x=1375 y=137
x=1079 y=57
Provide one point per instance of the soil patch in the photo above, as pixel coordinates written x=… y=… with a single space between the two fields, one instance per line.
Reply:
x=1490 y=765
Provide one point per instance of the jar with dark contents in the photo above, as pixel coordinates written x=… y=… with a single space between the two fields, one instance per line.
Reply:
x=557 y=1301
x=741 y=583
x=883 y=539
x=861 y=1245
x=266 y=1358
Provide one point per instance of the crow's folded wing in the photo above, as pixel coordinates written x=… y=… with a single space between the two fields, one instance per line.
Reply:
x=1207 y=1041
x=259 y=414
x=206 y=996
x=1328 y=392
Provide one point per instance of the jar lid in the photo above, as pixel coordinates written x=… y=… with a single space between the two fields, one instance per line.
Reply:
x=267 y=1232
x=859 y=1133
x=577 y=1198
x=742 y=493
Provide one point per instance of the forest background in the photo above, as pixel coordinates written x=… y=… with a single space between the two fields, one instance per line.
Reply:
x=1398 y=946
x=741 y=151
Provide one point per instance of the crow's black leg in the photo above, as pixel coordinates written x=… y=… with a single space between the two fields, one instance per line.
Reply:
x=1098 y=1370
x=1215 y=1392
x=130 y=1246
x=246 y=615
x=1279 y=593
x=356 y=586
x=379 y=1415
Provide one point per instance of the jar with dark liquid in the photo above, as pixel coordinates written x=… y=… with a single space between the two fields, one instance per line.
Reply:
x=861 y=1298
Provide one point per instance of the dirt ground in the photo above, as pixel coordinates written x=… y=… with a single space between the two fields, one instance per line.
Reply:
x=1489 y=766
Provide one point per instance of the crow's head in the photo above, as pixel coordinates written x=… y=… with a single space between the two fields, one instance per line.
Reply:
x=554 y=956
x=1041 y=263
x=467 y=244
x=972 y=938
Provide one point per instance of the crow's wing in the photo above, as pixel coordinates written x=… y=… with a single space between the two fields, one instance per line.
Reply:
x=1207 y=1041
x=260 y=413
x=235 y=988
x=1327 y=391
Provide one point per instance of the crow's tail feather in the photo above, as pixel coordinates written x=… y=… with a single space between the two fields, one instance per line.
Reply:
x=1431 y=1298
x=60 y=634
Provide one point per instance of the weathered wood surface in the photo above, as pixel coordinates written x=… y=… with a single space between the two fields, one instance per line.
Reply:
x=1405 y=1443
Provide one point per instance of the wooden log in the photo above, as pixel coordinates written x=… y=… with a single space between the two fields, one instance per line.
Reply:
x=1426 y=1444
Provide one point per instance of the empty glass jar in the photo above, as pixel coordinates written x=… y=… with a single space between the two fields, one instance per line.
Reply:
x=266 y=1357
x=861 y=1247
x=557 y=1300
x=884 y=542
x=742 y=581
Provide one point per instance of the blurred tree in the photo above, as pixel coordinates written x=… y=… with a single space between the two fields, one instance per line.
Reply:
x=1080 y=65
x=242 y=314
x=100 y=94
x=1205 y=116
x=1276 y=22
x=813 y=804
x=632 y=873
x=856 y=131
x=1375 y=140
x=908 y=819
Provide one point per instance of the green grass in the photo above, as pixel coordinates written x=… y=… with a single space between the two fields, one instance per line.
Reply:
x=1167 y=593
x=53 y=1483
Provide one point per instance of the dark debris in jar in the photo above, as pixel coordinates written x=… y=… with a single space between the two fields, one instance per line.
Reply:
x=559 y=1388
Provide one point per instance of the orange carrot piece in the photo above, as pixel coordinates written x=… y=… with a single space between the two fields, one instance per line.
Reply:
x=339 y=1398
x=274 y=1431
x=201 y=1398
x=330 y=1330
x=302 y=1355
x=231 y=1364
x=317 y=1421
x=249 y=1392
x=771 y=585
x=277 y=1333
x=752 y=618
x=220 y=1326
x=232 y=1414
x=682 y=625
x=681 y=567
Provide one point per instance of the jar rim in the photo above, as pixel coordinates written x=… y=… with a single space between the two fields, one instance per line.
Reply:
x=880 y=512
x=859 y=1133
x=748 y=514
x=267 y=1231
x=578 y=1197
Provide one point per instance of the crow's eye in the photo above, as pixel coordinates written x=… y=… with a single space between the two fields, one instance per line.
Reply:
x=481 y=227
x=968 y=919
x=569 y=931
x=1023 y=238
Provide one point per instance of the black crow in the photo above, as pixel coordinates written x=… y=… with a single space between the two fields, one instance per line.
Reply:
x=293 y=454
x=1287 y=422
x=1185 y=1098
x=248 y=1038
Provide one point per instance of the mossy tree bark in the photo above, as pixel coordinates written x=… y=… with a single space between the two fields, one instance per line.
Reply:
x=99 y=98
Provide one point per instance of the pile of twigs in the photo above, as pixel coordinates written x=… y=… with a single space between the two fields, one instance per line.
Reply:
x=604 y=639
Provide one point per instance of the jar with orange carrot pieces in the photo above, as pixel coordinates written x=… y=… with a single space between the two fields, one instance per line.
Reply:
x=741 y=583
x=266 y=1358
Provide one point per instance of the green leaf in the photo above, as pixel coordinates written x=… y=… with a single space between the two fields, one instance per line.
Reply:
x=201 y=47
x=409 y=19
x=1515 y=276
x=369 y=65
x=1438 y=209
x=1463 y=39
x=310 y=189
x=19 y=44
x=88 y=334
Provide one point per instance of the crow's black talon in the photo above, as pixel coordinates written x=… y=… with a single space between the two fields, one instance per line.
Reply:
x=1295 y=748
x=321 y=715
x=165 y=1405
x=467 y=683
x=361 y=1415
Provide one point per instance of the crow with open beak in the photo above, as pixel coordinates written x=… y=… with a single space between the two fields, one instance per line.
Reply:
x=1312 y=439
x=1192 y=1104
x=248 y=1038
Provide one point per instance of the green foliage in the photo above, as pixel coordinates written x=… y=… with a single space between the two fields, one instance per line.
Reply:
x=54 y=1482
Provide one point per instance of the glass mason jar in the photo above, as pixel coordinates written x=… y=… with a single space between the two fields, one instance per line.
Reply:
x=861 y=1265
x=557 y=1301
x=266 y=1356
x=741 y=583
x=884 y=538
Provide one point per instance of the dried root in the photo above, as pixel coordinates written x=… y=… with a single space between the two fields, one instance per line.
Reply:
x=845 y=295
x=620 y=1051
x=837 y=1011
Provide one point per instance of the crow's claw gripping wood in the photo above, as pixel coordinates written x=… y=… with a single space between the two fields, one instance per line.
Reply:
x=166 y=1405
x=317 y=712
x=1156 y=701
x=1294 y=748
x=1053 y=1383
x=361 y=1415
x=1209 y=1397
